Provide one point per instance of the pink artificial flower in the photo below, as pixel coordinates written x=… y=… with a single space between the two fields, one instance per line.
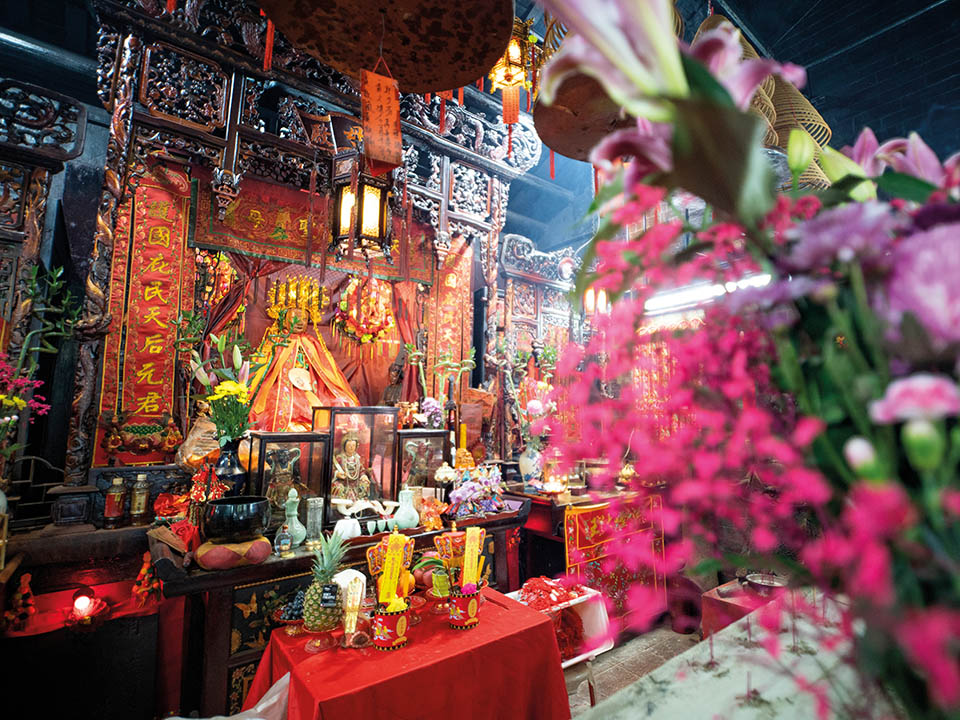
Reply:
x=921 y=396
x=879 y=511
x=720 y=50
x=628 y=47
x=912 y=156
x=923 y=281
x=930 y=637
x=864 y=153
x=951 y=502
x=648 y=145
x=535 y=407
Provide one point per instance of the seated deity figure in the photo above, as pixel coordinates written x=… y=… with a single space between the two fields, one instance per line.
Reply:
x=302 y=373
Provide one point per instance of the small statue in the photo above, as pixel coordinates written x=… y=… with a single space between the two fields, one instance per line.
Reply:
x=418 y=471
x=351 y=478
x=283 y=475
x=393 y=392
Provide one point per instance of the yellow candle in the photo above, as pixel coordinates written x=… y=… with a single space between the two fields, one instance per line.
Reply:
x=463 y=435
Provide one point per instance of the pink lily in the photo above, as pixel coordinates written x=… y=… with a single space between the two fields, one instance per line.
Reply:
x=864 y=153
x=628 y=47
x=244 y=373
x=720 y=51
x=648 y=144
x=912 y=156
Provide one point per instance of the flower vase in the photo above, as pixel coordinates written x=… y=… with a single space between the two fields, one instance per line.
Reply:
x=229 y=470
x=298 y=532
x=531 y=466
x=406 y=516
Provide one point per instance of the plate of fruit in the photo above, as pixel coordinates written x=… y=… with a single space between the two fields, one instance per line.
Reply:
x=292 y=612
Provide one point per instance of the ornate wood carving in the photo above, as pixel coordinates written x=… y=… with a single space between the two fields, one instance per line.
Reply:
x=35 y=209
x=108 y=58
x=13 y=190
x=9 y=254
x=165 y=143
x=470 y=193
x=282 y=166
x=521 y=258
x=39 y=125
x=95 y=319
x=183 y=87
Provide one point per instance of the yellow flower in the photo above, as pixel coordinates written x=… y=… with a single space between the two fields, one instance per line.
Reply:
x=231 y=388
x=14 y=401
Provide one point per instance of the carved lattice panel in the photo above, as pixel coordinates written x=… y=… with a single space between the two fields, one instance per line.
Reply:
x=40 y=122
x=183 y=87
x=470 y=192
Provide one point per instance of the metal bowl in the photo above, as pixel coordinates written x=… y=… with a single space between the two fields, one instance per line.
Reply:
x=765 y=583
x=235 y=519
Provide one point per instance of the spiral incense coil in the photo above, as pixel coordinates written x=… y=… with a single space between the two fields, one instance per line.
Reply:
x=794 y=110
x=749 y=53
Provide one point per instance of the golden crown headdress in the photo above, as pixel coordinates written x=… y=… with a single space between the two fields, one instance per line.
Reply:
x=297 y=293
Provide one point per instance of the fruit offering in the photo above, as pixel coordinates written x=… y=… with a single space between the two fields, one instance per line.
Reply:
x=293 y=610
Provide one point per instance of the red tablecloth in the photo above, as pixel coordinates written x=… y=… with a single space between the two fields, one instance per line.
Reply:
x=506 y=667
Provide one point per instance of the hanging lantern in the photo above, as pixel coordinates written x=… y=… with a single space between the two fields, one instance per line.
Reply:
x=510 y=73
x=361 y=216
x=595 y=302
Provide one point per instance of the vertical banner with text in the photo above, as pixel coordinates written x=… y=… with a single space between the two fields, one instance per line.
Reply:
x=151 y=285
x=380 y=106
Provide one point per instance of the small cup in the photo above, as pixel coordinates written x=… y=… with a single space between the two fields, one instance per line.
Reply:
x=381 y=525
x=371 y=527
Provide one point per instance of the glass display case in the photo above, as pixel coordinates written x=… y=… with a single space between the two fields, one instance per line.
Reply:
x=361 y=470
x=279 y=461
x=420 y=453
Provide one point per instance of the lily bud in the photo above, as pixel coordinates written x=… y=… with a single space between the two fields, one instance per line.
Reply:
x=837 y=166
x=237 y=358
x=924 y=444
x=862 y=458
x=800 y=151
x=202 y=376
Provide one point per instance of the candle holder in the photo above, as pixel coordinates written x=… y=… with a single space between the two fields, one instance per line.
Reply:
x=390 y=628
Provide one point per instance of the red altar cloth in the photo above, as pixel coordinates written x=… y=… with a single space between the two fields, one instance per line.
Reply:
x=508 y=666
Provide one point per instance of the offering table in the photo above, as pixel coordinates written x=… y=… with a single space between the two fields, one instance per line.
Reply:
x=226 y=615
x=508 y=665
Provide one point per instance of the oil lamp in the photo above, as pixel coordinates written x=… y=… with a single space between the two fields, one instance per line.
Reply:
x=361 y=209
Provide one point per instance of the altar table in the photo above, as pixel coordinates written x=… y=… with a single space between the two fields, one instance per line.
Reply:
x=508 y=666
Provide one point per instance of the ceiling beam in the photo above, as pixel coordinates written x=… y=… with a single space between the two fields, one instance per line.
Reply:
x=734 y=16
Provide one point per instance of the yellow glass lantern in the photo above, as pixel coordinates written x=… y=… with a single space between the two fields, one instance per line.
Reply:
x=367 y=220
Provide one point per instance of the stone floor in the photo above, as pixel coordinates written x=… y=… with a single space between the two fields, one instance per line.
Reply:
x=629 y=661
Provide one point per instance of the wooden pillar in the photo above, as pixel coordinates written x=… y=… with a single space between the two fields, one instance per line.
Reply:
x=95 y=319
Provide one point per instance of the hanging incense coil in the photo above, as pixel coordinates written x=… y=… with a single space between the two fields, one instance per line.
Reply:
x=812 y=177
x=762 y=105
x=427 y=44
x=794 y=110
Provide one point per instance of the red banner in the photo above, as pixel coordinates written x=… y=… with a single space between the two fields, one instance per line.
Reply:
x=270 y=221
x=380 y=106
x=151 y=284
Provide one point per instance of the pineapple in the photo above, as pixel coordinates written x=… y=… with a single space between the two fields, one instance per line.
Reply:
x=315 y=617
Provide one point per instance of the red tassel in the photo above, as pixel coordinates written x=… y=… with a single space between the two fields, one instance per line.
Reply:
x=443 y=116
x=553 y=169
x=510 y=140
x=480 y=84
x=171 y=6
x=533 y=69
x=460 y=96
x=268 y=47
x=426 y=98
x=403 y=204
x=527 y=93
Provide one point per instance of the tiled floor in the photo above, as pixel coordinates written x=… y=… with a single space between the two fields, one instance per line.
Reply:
x=626 y=663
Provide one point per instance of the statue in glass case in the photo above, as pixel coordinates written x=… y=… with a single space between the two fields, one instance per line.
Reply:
x=351 y=477
x=394 y=391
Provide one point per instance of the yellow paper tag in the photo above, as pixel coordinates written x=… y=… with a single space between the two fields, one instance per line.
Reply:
x=351 y=604
x=392 y=564
x=471 y=555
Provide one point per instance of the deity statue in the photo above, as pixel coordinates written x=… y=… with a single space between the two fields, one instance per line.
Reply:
x=351 y=478
x=417 y=463
x=392 y=392
x=303 y=374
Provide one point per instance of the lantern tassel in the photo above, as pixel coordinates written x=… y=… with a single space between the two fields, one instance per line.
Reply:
x=426 y=98
x=553 y=169
x=268 y=47
x=443 y=116
x=510 y=140
x=171 y=6
x=460 y=97
x=480 y=84
x=527 y=93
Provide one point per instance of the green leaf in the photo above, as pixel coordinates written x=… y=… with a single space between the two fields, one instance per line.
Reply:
x=703 y=84
x=904 y=186
x=718 y=156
